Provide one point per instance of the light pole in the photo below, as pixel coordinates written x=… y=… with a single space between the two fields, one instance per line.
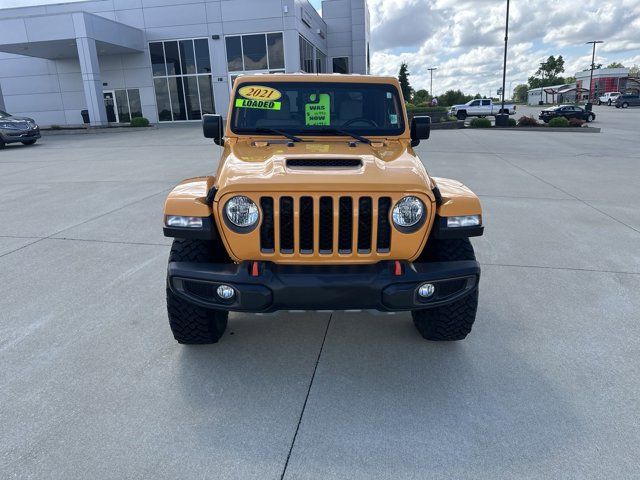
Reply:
x=542 y=102
x=589 y=105
x=431 y=70
x=502 y=120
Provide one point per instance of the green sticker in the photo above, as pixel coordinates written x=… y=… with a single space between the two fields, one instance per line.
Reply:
x=259 y=104
x=318 y=113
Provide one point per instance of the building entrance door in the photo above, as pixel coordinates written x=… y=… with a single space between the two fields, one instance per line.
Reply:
x=110 y=105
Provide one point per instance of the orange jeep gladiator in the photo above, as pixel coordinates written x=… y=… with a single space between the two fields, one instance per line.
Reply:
x=320 y=203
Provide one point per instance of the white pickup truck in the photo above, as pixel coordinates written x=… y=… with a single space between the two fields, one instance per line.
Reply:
x=481 y=107
x=608 y=98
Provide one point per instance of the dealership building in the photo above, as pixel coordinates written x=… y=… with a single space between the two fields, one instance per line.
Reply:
x=166 y=60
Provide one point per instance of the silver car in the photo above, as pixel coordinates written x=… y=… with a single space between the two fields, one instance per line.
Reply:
x=17 y=130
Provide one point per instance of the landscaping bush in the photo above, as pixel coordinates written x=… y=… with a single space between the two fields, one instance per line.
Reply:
x=527 y=122
x=480 y=123
x=559 y=122
x=576 y=122
x=512 y=122
x=56 y=127
x=139 y=122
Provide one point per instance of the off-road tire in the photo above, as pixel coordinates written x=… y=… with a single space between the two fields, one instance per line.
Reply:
x=192 y=324
x=29 y=142
x=461 y=115
x=454 y=321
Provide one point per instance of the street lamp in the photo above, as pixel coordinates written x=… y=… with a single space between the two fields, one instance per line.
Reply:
x=502 y=120
x=542 y=102
x=431 y=70
x=589 y=105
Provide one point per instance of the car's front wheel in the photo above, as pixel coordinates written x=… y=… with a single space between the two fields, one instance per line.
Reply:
x=454 y=321
x=190 y=323
x=609 y=103
x=461 y=115
x=591 y=117
x=29 y=142
x=625 y=105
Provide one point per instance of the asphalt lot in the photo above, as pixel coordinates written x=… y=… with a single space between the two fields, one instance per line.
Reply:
x=92 y=384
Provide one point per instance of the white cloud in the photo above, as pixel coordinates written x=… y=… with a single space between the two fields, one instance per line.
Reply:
x=465 y=38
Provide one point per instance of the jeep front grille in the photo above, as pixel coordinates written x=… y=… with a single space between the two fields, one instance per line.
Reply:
x=344 y=224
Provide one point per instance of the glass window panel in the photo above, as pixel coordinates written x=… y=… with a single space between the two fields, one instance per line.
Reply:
x=177 y=99
x=157 y=59
x=192 y=98
x=173 y=58
x=122 y=105
x=321 y=62
x=341 y=65
x=162 y=99
x=187 y=56
x=276 y=50
x=202 y=55
x=206 y=94
x=234 y=54
x=254 y=48
x=134 y=102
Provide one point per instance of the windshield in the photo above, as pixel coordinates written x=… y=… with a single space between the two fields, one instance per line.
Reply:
x=317 y=109
x=4 y=114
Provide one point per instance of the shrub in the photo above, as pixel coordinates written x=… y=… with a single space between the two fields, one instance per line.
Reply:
x=576 y=122
x=56 y=127
x=559 y=122
x=512 y=122
x=525 y=121
x=480 y=123
x=139 y=122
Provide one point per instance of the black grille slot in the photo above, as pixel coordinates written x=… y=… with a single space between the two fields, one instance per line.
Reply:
x=324 y=163
x=266 y=229
x=345 y=226
x=286 y=224
x=326 y=225
x=384 y=227
x=365 y=216
x=306 y=225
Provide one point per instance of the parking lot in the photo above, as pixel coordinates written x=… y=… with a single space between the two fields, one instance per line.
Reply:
x=93 y=385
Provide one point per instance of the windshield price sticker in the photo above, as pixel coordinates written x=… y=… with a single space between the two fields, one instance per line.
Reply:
x=258 y=92
x=318 y=112
x=259 y=104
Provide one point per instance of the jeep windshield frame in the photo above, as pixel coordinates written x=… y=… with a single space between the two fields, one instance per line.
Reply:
x=318 y=109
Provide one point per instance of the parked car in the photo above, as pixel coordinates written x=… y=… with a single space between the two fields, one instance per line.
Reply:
x=481 y=107
x=568 y=112
x=628 y=100
x=17 y=130
x=331 y=209
x=608 y=98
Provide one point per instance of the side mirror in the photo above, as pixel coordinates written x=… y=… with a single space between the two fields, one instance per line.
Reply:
x=420 y=130
x=212 y=128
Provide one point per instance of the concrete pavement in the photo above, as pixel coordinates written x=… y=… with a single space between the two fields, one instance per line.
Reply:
x=92 y=384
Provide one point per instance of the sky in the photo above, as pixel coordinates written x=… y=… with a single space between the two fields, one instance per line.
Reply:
x=465 y=38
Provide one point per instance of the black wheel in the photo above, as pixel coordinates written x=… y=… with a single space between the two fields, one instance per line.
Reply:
x=29 y=142
x=625 y=105
x=599 y=102
x=591 y=117
x=2 y=144
x=609 y=103
x=190 y=323
x=461 y=115
x=454 y=321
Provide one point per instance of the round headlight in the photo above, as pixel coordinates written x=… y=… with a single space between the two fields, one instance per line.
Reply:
x=242 y=212
x=408 y=212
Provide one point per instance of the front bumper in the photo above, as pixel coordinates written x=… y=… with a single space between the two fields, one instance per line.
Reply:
x=15 y=136
x=304 y=287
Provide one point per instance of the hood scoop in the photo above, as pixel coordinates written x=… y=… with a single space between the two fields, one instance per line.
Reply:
x=333 y=163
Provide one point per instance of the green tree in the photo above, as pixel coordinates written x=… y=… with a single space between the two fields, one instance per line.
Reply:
x=549 y=73
x=453 y=97
x=403 y=78
x=520 y=93
x=421 y=96
x=615 y=65
x=635 y=70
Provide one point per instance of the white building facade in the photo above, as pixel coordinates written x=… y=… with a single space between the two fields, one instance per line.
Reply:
x=167 y=60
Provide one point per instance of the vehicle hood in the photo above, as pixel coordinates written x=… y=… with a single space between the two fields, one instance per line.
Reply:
x=390 y=166
x=462 y=105
x=13 y=119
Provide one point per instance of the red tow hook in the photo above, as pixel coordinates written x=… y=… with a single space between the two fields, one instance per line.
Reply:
x=255 y=269
x=397 y=270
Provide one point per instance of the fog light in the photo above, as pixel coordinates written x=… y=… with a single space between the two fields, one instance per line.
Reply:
x=225 y=292
x=426 y=290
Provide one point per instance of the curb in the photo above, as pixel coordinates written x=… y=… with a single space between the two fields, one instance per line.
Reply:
x=89 y=131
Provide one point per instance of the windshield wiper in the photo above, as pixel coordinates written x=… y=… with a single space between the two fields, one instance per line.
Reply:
x=280 y=132
x=347 y=133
